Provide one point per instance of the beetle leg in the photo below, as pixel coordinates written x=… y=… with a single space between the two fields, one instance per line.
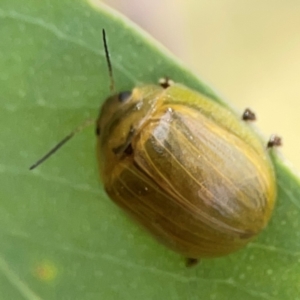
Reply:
x=191 y=262
x=274 y=141
x=248 y=115
x=98 y=130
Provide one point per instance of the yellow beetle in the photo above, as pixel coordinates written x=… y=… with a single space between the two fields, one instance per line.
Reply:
x=185 y=167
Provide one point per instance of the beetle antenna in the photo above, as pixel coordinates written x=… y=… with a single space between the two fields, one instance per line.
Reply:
x=88 y=122
x=110 y=70
x=62 y=142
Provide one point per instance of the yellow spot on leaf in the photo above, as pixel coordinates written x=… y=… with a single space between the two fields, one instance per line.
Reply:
x=46 y=271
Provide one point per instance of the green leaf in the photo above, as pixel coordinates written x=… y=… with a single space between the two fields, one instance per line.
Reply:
x=60 y=235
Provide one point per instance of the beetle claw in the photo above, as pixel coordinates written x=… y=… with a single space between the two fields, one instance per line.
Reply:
x=191 y=262
x=165 y=82
x=248 y=115
x=274 y=141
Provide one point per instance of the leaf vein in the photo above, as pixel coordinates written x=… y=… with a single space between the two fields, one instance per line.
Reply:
x=290 y=195
x=62 y=36
x=58 y=180
x=274 y=249
x=14 y=279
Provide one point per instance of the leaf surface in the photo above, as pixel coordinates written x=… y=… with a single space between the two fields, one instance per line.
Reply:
x=60 y=235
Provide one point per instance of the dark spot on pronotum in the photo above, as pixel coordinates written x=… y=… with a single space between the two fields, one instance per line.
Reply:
x=274 y=141
x=248 y=115
x=165 y=82
x=98 y=130
x=190 y=262
x=123 y=149
x=128 y=150
x=124 y=96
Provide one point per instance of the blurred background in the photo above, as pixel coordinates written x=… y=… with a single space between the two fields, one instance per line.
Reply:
x=248 y=51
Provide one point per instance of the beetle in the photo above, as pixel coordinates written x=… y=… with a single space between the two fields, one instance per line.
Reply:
x=187 y=168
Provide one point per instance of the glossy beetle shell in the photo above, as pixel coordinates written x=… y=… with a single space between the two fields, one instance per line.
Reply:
x=188 y=169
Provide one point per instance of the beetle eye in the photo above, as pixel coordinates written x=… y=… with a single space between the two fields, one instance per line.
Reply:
x=123 y=96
